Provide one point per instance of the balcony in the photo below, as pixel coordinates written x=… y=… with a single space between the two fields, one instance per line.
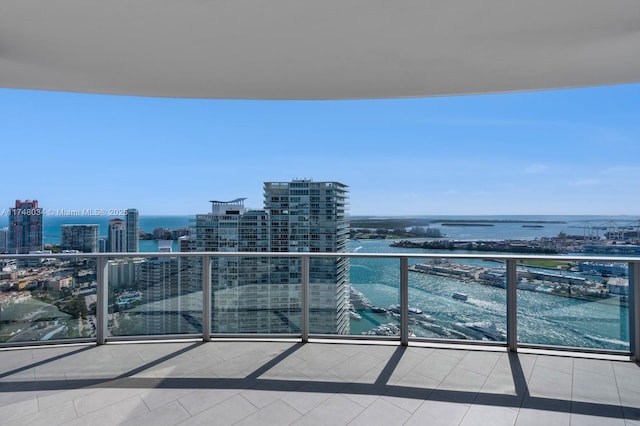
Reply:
x=245 y=50
x=110 y=375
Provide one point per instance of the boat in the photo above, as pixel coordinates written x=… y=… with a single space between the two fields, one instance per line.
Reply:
x=482 y=330
x=412 y=311
x=390 y=329
x=460 y=296
x=415 y=311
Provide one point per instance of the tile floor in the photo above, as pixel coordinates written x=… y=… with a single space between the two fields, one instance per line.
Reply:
x=282 y=383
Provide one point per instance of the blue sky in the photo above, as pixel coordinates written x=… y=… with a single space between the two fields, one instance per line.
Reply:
x=573 y=151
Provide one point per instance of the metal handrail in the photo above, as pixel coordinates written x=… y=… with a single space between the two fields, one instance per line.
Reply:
x=404 y=338
x=440 y=255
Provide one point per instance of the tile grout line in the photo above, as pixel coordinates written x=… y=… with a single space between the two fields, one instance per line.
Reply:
x=615 y=379
x=292 y=407
x=185 y=410
x=573 y=372
x=484 y=383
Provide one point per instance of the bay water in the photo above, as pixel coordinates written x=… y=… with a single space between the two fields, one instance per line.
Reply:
x=542 y=318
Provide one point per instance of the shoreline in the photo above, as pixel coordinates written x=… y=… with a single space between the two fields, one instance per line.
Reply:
x=501 y=246
x=488 y=276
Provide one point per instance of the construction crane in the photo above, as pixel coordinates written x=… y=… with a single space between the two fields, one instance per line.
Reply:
x=613 y=229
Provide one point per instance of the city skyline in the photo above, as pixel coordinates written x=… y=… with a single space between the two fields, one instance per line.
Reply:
x=571 y=151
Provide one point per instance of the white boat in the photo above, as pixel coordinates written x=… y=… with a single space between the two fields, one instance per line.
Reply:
x=412 y=311
x=460 y=296
x=482 y=330
x=415 y=311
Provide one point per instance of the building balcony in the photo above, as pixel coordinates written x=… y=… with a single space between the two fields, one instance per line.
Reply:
x=286 y=382
x=66 y=367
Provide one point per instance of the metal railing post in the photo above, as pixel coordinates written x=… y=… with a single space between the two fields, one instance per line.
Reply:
x=304 y=296
x=102 y=300
x=106 y=323
x=634 y=310
x=206 y=298
x=404 y=301
x=512 y=305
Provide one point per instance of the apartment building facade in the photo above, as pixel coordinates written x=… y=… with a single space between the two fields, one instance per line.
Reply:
x=263 y=295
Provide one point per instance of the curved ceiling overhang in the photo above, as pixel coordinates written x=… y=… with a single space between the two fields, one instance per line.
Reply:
x=320 y=49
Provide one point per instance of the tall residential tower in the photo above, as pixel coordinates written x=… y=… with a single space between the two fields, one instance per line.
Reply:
x=263 y=294
x=132 y=233
x=80 y=237
x=25 y=227
x=308 y=216
x=242 y=300
x=116 y=241
x=4 y=240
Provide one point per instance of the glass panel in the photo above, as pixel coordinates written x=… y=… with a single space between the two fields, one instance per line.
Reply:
x=577 y=304
x=457 y=299
x=329 y=311
x=255 y=295
x=375 y=295
x=47 y=299
x=154 y=296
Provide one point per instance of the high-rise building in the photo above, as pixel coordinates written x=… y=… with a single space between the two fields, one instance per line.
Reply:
x=133 y=228
x=116 y=236
x=241 y=300
x=191 y=273
x=102 y=245
x=80 y=237
x=25 y=227
x=262 y=295
x=308 y=216
x=124 y=273
x=187 y=242
x=4 y=240
x=164 y=306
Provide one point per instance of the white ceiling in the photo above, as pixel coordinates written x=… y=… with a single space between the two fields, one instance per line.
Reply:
x=316 y=49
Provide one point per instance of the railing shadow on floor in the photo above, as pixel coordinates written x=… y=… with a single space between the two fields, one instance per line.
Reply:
x=380 y=387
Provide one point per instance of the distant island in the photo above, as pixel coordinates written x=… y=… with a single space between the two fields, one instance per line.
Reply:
x=381 y=233
x=466 y=224
x=395 y=223
x=494 y=221
x=397 y=228
x=506 y=246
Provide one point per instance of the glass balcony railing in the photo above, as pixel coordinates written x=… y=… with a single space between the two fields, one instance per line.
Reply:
x=375 y=303
x=578 y=303
x=154 y=296
x=457 y=299
x=586 y=304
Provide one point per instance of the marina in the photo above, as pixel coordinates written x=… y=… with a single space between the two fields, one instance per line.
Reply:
x=547 y=313
x=529 y=279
